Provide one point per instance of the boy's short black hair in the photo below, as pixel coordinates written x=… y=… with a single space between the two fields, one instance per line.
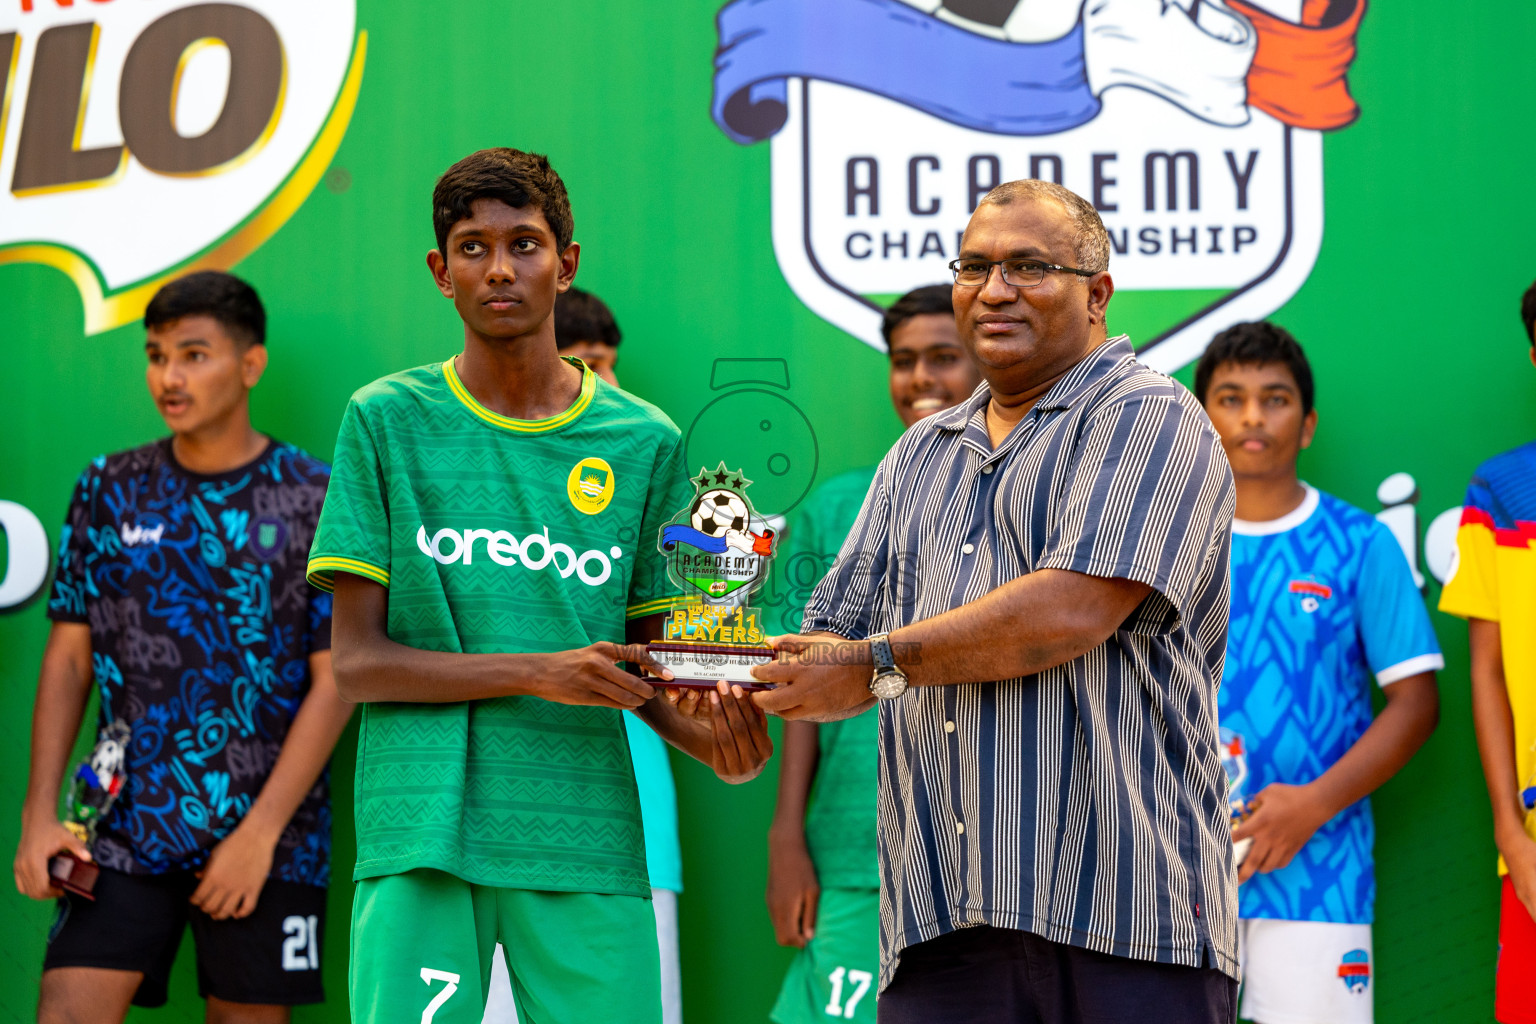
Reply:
x=226 y=298
x=1528 y=312
x=930 y=298
x=582 y=316
x=1256 y=344
x=516 y=178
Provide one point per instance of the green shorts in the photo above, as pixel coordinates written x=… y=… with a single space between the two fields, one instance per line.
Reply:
x=833 y=977
x=422 y=944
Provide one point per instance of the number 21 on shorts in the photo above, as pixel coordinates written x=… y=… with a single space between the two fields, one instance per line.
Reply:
x=858 y=983
x=301 y=948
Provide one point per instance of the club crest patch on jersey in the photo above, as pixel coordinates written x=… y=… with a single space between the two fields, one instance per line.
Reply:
x=1312 y=592
x=267 y=537
x=1355 y=970
x=1193 y=126
x=590 y=485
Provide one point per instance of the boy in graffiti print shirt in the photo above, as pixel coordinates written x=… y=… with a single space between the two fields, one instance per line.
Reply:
x=180 y=593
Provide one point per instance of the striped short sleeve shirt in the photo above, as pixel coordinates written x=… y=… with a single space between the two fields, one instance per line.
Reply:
x=1086 y=804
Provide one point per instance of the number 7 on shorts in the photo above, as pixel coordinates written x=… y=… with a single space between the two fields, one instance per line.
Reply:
x=451 y=986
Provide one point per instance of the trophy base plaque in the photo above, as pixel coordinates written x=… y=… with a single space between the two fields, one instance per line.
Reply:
x=700 y=666
x=72 y=874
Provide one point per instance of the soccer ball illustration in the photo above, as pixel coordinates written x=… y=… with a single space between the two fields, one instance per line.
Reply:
x=718 y=511
x=107 y=759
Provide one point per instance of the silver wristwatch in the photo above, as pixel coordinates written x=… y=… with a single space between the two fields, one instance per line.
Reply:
x=888 y=682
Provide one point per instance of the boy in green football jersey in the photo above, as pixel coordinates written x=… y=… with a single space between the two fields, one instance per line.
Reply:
x=489 y=531
x=823 y=876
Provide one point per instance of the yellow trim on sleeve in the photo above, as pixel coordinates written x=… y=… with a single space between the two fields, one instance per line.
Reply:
x=322 y=567
x=644 y=608
x=584 y=399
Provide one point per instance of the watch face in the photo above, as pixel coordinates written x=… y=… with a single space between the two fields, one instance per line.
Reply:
x=888 y=684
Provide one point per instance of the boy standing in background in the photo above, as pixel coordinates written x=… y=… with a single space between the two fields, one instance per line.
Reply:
x=1322 y=600
x=1493 y=586
x=180 y=598
x=585 y=328
x=823 y=868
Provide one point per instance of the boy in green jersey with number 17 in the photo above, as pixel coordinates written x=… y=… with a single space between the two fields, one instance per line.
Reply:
x=490 y=533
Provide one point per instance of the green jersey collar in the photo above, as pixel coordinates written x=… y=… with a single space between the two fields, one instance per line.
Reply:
x=555 y=422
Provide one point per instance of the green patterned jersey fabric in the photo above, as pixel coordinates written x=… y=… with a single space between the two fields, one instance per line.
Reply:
x=840 y=816
x=840 y=819
x=501 y=535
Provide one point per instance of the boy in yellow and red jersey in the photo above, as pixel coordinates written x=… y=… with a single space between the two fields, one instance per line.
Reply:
x=1493 y=587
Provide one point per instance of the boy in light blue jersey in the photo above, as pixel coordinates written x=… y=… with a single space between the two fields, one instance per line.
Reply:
x=1322 y=600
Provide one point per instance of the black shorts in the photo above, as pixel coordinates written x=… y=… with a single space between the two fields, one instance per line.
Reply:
x=995 y=975
x=271 y=957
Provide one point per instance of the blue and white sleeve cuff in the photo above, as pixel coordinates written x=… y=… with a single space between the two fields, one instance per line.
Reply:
x=1411 y=667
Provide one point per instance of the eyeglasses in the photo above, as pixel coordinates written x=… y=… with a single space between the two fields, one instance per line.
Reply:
x=1018 y=273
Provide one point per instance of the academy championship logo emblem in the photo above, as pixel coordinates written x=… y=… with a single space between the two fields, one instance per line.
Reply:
x=718 y=544
x=142 y=140
x=1194 y=127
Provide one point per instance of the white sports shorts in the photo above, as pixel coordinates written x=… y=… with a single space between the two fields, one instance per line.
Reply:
x=1306 y=972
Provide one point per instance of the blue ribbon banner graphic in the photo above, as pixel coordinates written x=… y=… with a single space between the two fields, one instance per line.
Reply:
x=672 y=535
x=895 y=51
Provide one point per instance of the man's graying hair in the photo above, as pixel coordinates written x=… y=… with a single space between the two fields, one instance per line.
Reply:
x=1092 y=242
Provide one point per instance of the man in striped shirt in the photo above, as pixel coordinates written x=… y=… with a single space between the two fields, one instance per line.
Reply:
x=1045 y=566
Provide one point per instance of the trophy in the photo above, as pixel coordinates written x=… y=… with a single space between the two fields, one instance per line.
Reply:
x=96 y=787
x=1234 y=758
x=718 y=550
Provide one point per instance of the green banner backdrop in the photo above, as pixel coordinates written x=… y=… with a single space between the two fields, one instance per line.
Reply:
x=750 y=184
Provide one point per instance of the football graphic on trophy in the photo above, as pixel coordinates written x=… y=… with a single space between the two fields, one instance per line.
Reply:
x=719 y=513
x=1234 y=758
x=717 y=549
x=96 y=786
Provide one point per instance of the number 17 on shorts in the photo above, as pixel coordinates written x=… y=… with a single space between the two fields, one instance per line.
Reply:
x=844 y=1001
x=833 y=977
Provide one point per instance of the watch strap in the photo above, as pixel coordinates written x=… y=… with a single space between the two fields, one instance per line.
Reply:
x=880 y=651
